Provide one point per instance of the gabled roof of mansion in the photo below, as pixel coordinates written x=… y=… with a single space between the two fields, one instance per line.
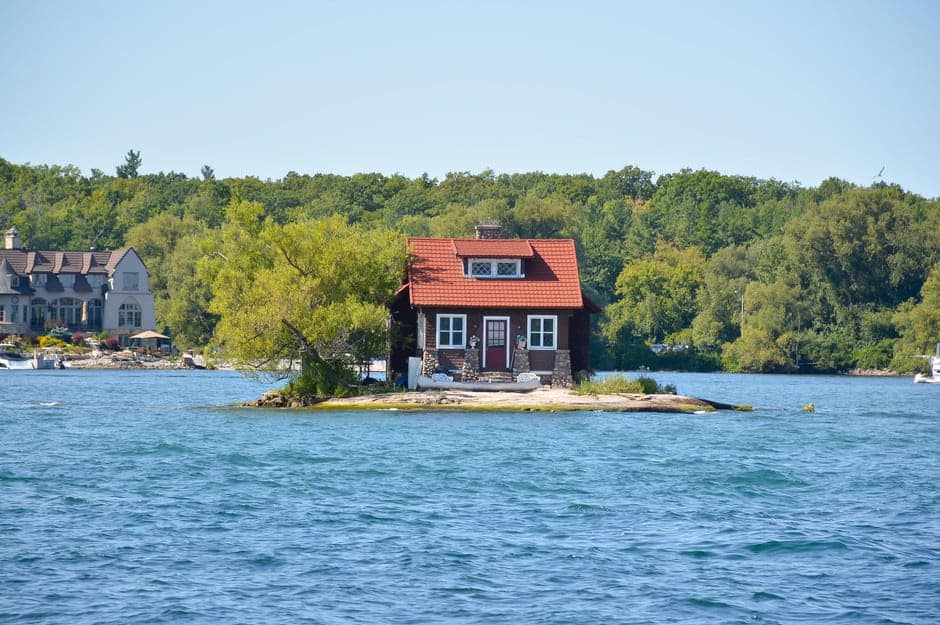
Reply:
x=15 y=261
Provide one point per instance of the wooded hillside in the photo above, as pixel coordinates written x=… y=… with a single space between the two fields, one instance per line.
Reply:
x=750 y=274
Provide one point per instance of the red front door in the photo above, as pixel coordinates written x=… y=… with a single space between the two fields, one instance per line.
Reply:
x=496 y=345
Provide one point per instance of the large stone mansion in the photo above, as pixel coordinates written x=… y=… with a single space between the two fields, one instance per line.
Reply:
x=94 y=291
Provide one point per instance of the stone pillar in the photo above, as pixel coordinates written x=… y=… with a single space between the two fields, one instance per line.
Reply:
x=429 y=362
x=520 y=360
x=561 y=376
x=471 y=365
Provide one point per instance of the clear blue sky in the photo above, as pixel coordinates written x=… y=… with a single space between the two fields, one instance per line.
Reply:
x=791 y=90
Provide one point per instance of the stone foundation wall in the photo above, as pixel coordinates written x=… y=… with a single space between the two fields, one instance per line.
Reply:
x=429 y=362
x=561 y=376
x=520 y=361
x=471 y=365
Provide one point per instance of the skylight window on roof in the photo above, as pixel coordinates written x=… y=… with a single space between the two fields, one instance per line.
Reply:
x=495 y=268
x=480 y=268
x=509 y=269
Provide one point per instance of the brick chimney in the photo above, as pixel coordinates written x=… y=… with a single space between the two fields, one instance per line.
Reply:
x=489 y=231
x=13 y=239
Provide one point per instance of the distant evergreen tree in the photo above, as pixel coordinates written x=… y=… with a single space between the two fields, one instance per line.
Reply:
x=131 y=165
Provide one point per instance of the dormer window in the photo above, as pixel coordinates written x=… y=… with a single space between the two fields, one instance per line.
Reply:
x=38 y=279
x=494 y=268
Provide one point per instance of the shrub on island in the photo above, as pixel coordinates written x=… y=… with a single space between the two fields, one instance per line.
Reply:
x=619 y=384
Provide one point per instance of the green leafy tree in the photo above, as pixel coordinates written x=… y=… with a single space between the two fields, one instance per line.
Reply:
x=770 y=339
x=919 y=326
x=301 y=292
x=867 y=245
x=656 y=294
x=185 y=307
x=155 y=240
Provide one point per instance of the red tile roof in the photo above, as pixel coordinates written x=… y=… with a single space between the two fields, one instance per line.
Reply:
x=493 y=248
x=436 y=276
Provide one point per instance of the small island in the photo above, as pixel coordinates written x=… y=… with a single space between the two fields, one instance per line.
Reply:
x=544 y=399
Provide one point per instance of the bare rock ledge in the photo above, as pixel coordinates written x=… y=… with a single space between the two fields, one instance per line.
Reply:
x=541 y=400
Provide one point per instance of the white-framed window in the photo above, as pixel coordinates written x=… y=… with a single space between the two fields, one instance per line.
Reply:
x=37 y=279
x=494 y=268
x=67 y=280
x=543 y=331
x=131 y=280
x=129 y=314
x=451 y=331
x=3 y=314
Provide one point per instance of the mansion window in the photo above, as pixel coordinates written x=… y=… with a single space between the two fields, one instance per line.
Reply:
x=38 y=279
x=494 y=268
x=129 y=315
x=93 y=313
x=543 y=331
x=451 y=330
x=131 y=280
x=37 y=312
x=67 y=310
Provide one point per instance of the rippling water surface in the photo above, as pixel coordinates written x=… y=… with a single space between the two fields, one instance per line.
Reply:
x=142 y=497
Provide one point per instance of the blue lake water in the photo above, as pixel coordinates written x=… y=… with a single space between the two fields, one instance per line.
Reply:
x=147 y=497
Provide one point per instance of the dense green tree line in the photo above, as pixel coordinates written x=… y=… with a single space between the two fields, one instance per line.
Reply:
x=750 y=274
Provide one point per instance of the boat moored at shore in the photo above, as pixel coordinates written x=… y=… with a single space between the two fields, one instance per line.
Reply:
x=12 y=358
x=934 y=377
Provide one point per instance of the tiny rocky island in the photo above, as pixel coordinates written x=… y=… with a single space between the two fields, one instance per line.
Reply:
x=544 y=399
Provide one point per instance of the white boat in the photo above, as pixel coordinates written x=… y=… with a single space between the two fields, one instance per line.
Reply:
x=48 y=358
x=12 y=358
x=934 y=377
x=444 y=382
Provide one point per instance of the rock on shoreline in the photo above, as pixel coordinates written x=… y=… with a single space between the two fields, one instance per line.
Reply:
x=118 y=362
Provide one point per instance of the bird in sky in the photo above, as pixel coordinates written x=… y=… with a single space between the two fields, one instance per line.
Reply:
x=881 y=171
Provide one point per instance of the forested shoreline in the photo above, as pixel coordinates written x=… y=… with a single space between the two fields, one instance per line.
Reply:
x=743 y=274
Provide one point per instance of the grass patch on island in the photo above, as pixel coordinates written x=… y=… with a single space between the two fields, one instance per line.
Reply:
x=619 y=384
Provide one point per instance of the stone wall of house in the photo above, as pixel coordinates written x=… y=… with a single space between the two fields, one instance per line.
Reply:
x=471 y=365
x=561 y=375
x=429 y=362
x=520 y=360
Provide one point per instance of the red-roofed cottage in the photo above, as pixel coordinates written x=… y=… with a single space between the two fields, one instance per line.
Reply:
x=472 y=306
